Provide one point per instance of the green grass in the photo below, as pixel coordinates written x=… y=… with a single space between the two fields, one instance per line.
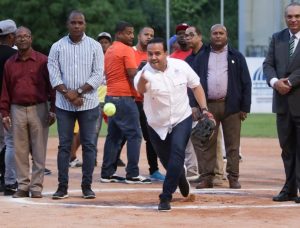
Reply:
x=259 y=125
x=256 y=125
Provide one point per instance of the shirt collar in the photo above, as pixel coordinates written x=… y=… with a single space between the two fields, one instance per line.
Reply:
x=225 y=49
x=32 y=56
x=296 y=34
x=69 y=39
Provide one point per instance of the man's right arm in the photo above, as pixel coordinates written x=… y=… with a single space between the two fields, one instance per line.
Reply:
x=54 y=69
x=140 y=82
x=5 y=100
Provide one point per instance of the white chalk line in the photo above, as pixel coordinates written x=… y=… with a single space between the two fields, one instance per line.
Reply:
x=30 y=201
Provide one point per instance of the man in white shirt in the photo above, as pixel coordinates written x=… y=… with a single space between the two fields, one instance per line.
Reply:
x=164 y=82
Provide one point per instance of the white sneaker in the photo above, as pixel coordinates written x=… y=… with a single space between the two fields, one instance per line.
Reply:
x=137 y=180
x=75 y=163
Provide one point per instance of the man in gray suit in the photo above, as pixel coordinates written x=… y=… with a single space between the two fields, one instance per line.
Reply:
x=282 y=69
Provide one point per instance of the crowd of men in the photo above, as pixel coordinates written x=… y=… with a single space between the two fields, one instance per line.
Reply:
x=156 y=96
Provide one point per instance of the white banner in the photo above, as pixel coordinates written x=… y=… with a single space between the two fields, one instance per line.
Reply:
x=261 y=93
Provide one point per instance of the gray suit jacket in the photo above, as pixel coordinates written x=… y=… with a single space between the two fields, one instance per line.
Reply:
x=278 y=64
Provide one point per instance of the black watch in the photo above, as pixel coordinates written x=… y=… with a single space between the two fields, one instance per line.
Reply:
x=79 y=91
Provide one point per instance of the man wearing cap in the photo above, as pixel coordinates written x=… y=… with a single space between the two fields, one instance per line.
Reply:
x=8 y=172
x=104 y=38
x=184 y=50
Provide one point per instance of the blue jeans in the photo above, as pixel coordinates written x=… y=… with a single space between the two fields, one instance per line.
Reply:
x=171 y=153
x=10 y=164
x=124 y=123
x=65 y=126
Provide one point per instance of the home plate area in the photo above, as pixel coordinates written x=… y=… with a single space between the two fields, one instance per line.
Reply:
x=147 y=199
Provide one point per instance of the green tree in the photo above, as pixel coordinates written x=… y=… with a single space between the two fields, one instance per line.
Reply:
x=47 y=19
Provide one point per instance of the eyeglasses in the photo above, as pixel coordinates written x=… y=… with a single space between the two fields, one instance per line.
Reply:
x=190 y=35
x=25 y=37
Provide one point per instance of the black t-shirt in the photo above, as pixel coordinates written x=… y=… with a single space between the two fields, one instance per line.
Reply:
x=5 y=53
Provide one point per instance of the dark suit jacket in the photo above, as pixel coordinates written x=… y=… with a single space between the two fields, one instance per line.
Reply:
x=238 y=96
x=278 y=64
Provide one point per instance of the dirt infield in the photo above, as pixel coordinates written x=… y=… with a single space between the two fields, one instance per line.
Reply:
x=124 y=205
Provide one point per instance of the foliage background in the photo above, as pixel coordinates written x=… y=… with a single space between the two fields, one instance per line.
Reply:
x=47 y=19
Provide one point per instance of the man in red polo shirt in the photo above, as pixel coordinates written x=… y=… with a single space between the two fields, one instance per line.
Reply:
x=25 y=94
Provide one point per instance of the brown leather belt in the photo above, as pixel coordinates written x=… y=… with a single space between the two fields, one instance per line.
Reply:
x=216 y=101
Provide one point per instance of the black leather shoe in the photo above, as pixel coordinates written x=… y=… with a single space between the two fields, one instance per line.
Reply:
x=164 y=205
x=283 y=196
x=297 y=199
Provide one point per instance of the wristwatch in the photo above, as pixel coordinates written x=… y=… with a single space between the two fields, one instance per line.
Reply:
x=79 y=91
x=204 y=109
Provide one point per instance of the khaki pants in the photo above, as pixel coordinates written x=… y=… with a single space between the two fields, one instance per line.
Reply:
x=207 y=154
x=30 y=133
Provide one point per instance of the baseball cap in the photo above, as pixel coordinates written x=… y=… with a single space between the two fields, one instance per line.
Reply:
x=104 y=34
x=7 y=26
x=182 y=26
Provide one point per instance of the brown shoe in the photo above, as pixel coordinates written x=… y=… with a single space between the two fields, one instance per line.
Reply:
x=205 y=183
x=36 y=194
x=234 y=183
x=21 y=194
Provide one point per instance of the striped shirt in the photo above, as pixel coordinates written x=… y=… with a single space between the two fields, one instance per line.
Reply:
x=74 y=64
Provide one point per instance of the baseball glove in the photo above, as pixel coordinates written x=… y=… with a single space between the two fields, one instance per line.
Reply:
x=204 y=129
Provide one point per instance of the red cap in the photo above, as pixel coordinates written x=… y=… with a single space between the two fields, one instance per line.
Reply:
x=182 y=26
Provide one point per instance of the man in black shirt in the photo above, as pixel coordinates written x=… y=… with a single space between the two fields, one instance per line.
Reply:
x=7 y=41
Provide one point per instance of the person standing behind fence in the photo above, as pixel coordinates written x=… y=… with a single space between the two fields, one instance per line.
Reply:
x=7 y=152
x=25 y=94
x=282 y=70
x=76 y=67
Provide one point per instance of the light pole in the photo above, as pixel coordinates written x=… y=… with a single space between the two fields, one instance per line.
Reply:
x=168 y=23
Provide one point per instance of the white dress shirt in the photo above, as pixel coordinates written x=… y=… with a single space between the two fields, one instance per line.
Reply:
x=166 y=102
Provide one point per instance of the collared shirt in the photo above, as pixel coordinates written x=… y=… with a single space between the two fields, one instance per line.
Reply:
x=26 y=82
x=217 y=74
x=74 y=64
x=166 y=102
x=297 y=35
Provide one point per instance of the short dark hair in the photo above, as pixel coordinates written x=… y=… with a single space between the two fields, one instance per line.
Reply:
x=75 y=12
x=159 y=40
x=122 y=25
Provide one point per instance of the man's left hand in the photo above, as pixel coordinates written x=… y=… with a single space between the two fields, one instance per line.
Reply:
x=243 y=115
x=51 y=118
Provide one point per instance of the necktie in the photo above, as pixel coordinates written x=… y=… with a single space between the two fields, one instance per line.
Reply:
x=292 y=44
